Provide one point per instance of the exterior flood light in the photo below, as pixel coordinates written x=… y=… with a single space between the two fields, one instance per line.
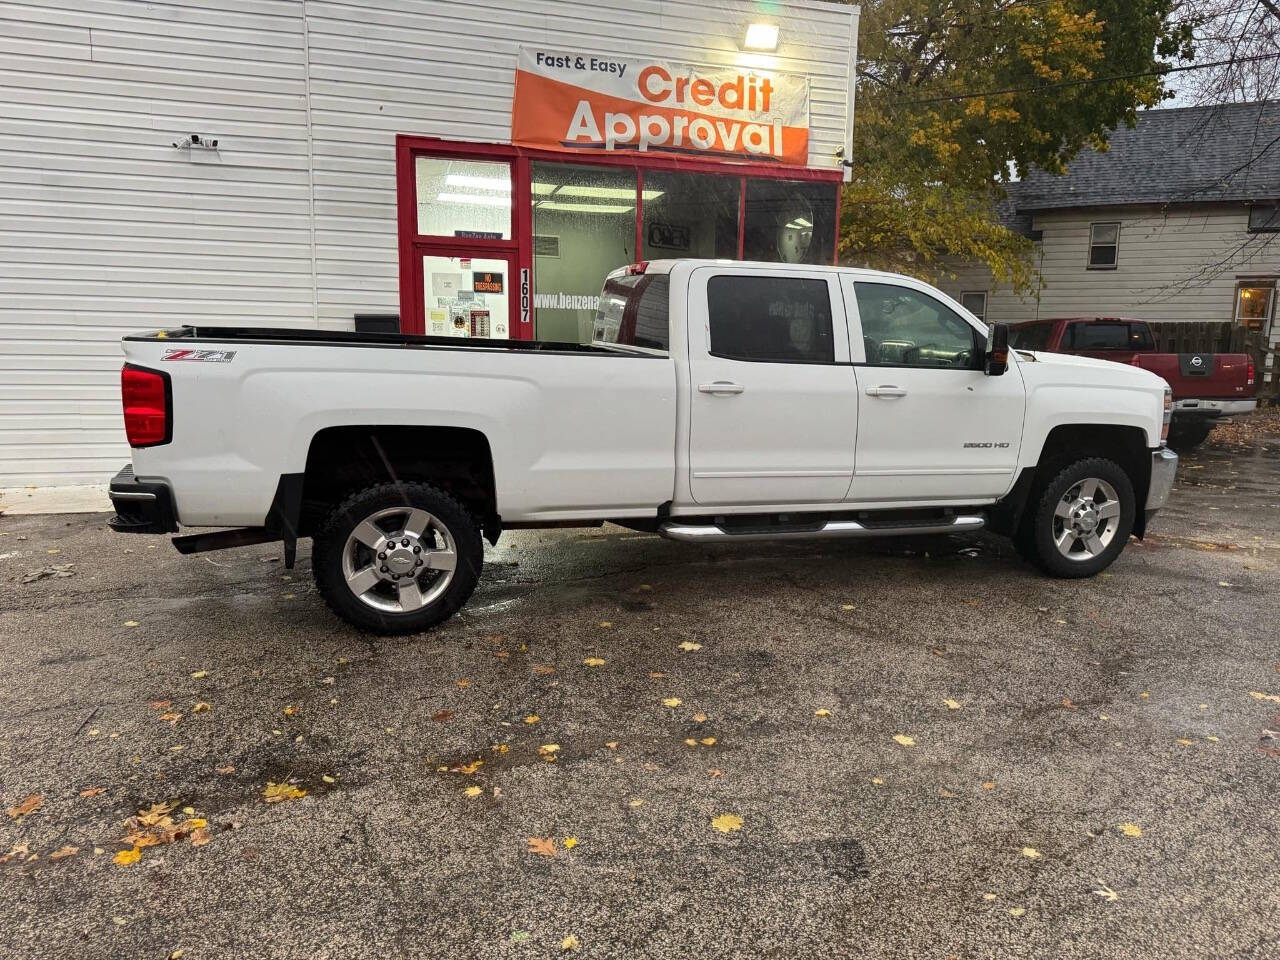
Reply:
x=761 y=36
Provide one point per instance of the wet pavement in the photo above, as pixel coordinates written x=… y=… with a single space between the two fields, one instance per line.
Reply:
x=932 y=750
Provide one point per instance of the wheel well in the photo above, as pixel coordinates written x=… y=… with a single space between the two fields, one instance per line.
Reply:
x=344 y=459
x=1127 y=446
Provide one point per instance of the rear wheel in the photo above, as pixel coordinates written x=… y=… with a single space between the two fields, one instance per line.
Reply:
x=1080 y=519
x=397 y=558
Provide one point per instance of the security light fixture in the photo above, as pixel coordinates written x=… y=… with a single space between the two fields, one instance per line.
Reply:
x=761 y=36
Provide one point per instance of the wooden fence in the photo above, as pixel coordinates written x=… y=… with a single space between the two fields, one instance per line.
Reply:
x=1173 y=336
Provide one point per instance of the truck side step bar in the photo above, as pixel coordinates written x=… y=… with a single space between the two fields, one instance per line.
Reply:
x=832 y=529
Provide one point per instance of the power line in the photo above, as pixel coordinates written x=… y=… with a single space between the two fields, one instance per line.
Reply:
x=1163 y=71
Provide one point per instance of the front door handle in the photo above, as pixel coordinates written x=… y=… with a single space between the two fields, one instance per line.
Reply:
x=886 y=391
x=721 y=387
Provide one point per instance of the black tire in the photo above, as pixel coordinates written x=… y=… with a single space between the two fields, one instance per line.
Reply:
x=1188 y=436
x=1037 y=539
x=333 y=545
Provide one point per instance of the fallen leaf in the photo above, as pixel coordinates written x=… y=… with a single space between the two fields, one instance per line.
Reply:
x=199 y=674
x=637 y=802
x=131 y=623
x=172 y=717
x=988 y=896
x=1031 y=852
x=543 y=670
x=196 y=823
x=570 y=842
x=1270 y=697
x=946 y=794
x=291 y=710
x=671 y=702
x=606 y=624
x=201 y=707
x=988 y=785
x=612 y=744
x=1212 y=739
x=20 y=851
x=547 y=749
x=472 y=792
x=952 y=704
x=847 y=606
x=161 y=704
x=1145 y=695
x=229 y=768
x=569 y=944
x=1130 y=829
x=689 y=646
x=904 y=740
x=699 y=718
x=469 y=768
x=1106 y=893
x=200 y=837
x=327 y=779
x=878 y=781
x=1225 y=583
x=63 y=852
x=519 y=936
x=501 y=654
x=176 y=954
x=126 y=857
x=532 y=718
x=329 y=681
x=1017 y=911
x=119 y=921
x=690 y=742
x=92 y=791
x=1184 y=742
x=189 y=811
x=155 y=813
x=30 y=805
x=442 y=716
x=462 y=684
x=593 y=662
x=279 y=792
x=715 y=772
x=727 y=822
x=822 y=712
x=542 y=846
x=708 y=741
x=1067 y=704
x=657 y=675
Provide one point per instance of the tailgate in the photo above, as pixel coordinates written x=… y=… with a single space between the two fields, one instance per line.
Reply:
x=1203 y=376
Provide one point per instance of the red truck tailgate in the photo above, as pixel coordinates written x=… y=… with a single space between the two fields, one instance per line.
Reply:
x=1205 y=376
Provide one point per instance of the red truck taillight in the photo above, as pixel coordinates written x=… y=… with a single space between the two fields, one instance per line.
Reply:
x=148 y=406
x=1250 y=372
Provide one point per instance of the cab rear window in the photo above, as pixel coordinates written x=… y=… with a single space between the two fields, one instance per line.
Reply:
x=1030 y=336
x=634 y=312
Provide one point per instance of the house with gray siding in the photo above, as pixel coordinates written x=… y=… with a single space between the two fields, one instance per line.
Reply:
x=1178 y=220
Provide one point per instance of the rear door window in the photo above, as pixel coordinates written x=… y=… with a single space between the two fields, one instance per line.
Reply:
x=634 y=311
x=778 y=319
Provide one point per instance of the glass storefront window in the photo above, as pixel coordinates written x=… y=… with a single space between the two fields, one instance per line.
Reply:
x=689 y=215
x=466 y=296
x=584 y=226
x=463 y=198
x=790 y=221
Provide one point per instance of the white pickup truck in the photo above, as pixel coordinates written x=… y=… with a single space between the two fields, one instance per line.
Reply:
x=719 y=402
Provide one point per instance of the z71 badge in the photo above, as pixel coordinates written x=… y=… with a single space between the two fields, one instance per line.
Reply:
x=205 y=356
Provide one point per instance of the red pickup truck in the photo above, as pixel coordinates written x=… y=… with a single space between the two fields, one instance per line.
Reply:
x=1208 y=388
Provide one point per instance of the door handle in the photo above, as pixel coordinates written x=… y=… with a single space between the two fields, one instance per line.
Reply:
x=886 y=391
x=721 y=387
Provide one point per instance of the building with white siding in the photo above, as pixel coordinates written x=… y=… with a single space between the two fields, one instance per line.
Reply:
x=357 y=157
x=1178 y=220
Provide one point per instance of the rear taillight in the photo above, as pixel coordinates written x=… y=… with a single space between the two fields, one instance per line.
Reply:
x=1249 y=372
x=637 y=268
x=147 y=405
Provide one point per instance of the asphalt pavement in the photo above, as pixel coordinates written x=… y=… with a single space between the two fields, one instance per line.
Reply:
x=630 y=748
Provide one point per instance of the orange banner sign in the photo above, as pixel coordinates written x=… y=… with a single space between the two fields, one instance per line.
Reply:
x=590 y=103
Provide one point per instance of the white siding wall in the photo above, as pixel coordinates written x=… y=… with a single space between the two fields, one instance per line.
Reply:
x=1176 y=264
x=105 y=228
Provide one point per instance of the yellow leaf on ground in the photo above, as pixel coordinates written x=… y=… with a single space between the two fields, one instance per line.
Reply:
x=92 y=791
x=689 y=646
x=469 y=768
x=690 y=742
x=547 y=749
x=278 y=792
x=637 y=802
x=542 y=846
x=904 y=740
x=63 y=852
x=224 y=770
x=201 y=707
x=1145 y=695
x=822 y=712
x=1031 y=852
x=671 y=702
x=569 y=944
x=196 y=823
x=593 y=662
x=606 y=624
x=699 y=718
x=1184 y=741
x=200 y=837
x=543 y=670
x=988 y=785
x=532 y=718
x=612 y=744
x=570 y=842
x=199 y=674
x=952 y=704
x=472 y=792
x=1130 y=829
x=126 y=857
x=988 y=896
x=171 y=718
x=189 y=811
x=847 y=606
x=708 y=741
x=1017 y=911
x=462 y=684
x=727 y=822
x=878 y=781
x=131 y=623
x=155 y=814
x=1270 y=697
x=1212 y=739
x=291 y=710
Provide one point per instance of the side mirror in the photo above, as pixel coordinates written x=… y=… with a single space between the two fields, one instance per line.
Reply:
x=997 y=359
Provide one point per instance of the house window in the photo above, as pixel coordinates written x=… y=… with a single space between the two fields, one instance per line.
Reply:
x=1104 y=245
x=1264 y=218
x=1255 y=301
x=975 y=301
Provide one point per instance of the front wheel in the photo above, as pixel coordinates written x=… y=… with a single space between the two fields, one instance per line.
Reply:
x=1080 y=520
x=397 y=557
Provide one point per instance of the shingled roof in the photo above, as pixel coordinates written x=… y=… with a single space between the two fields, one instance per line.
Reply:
x=1185 y=155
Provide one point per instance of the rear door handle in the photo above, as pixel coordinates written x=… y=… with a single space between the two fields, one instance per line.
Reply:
x=721 y=387
x=886 y=391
